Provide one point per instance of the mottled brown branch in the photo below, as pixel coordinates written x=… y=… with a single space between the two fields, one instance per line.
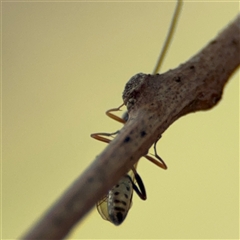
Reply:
x=153 y=102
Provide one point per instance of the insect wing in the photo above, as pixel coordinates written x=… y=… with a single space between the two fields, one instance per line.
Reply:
x=103 y=208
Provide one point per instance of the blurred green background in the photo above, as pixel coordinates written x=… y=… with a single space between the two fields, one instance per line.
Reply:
x=64 y=65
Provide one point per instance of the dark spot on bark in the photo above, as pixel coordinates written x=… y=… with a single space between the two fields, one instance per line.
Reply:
x=91 y=179
x=234 y=41
x=177 y=79
x=128 y=189
x=126 y=196
x=143 y=133
x=116 y=193
x=127 y=139
x=192 y=67
x=58 y=221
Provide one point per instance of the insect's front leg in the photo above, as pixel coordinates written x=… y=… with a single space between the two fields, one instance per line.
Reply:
x=115 y=117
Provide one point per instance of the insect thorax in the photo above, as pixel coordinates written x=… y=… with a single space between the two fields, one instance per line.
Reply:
x=119 y=200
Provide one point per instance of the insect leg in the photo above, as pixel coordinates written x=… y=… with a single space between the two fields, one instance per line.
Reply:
x=157 y=156
x=160 y=163
x=99 y=136
x=113 y=116
x=141 y=192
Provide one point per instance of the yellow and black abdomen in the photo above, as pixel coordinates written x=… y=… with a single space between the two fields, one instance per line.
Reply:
x=119 y=200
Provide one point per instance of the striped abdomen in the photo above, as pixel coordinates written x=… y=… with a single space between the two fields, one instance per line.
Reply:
x=119 y=200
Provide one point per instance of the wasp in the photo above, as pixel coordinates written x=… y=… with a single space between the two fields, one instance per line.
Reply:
x=115 y=205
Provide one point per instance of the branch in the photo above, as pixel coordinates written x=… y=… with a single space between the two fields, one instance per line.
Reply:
x=154 y=102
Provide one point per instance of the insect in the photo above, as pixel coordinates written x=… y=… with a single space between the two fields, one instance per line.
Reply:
x=115 y=205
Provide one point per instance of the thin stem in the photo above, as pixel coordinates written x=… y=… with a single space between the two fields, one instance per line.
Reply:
x=169 y=37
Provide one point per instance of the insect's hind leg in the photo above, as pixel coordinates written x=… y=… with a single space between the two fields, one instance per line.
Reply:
x=113 y=116
x=141 y=192
x=160 y=163
x=99 y=136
